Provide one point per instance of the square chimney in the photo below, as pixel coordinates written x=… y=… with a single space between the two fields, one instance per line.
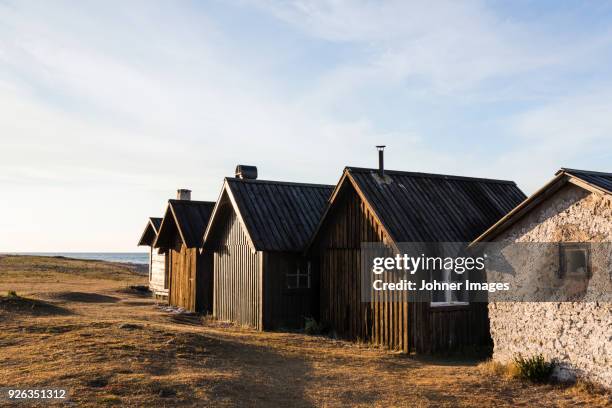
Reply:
x=183 y=194
x=246 y=172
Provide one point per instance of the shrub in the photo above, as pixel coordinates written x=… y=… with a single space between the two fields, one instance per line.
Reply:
x=535 y=368
x=12 y=294
x=311 y=326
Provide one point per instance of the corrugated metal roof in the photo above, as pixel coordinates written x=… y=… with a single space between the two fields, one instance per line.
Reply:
x=421 y=207
x=278 y=216
x=150 y=232
x=188 y=218
x=595 y=178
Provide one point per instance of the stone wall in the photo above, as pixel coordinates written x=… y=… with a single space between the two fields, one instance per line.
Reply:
x=576 y=334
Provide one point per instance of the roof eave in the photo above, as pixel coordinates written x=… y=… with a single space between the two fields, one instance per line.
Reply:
x=346 y=174
x=227 y=190
x=162 y=227
x=562 y=177
x=330 y=202
x=142 y=237
x=518 y=212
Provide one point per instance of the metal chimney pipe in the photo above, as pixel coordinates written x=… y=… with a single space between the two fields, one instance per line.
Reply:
x=381 y=160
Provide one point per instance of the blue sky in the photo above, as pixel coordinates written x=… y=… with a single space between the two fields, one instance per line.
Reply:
x=108 y=107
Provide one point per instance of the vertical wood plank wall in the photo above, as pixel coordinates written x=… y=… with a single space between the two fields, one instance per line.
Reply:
x=183 y=267
x=390 y=320
x=340 y=265
x=284 y=307
x=151 y=249
x=157 y=272
x=237 y=277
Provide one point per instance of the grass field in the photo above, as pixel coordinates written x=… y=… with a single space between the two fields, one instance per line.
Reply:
x=75 y=325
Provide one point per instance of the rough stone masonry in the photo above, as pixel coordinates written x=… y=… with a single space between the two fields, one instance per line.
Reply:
x=578 y=335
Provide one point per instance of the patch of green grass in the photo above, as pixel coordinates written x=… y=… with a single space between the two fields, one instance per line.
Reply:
x=535 y=369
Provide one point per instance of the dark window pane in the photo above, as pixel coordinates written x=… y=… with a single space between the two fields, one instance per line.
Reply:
x=576 y=262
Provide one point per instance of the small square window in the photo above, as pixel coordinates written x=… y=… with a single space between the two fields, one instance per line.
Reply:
x=574 y=260
x=300 y=277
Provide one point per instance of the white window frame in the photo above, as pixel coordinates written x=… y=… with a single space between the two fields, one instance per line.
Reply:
x=448 y=293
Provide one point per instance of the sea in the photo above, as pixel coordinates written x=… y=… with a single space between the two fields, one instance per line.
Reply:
x=123 y=257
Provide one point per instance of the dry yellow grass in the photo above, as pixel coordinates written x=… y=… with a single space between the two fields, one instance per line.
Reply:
x=508 y=371
x=109 y=347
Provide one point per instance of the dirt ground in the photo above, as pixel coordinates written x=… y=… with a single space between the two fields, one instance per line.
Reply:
x=85 y=332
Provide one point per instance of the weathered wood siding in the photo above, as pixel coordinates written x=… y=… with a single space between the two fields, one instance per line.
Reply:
x=339 y=260
x=190 y=277
x=157 y=272
x=390 y=319
x=183 y=268
x=284 y=307
x=237 y=277
x=455 y=328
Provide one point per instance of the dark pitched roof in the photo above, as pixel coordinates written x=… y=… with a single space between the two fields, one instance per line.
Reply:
x=277 y=216
x=150 y=232
x=188 y=218
x=597 y=179
x=422 y=207
x=589 y=180
x=156 y=222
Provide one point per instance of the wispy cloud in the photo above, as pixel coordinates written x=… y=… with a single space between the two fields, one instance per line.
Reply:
x=448 y=47
x=119 y=103
x=535 y=81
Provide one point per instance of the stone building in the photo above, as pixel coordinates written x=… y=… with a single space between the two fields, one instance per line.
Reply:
x=573 y=213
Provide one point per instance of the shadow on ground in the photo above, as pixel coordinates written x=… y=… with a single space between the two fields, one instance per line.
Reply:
x=136 y=290
x=83 y=297
x=30 y=307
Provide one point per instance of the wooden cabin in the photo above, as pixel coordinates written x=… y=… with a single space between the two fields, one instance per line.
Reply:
x=572 y=213
x=391 y=207
x=190 y=283
x=158 y=279
x=258 y=231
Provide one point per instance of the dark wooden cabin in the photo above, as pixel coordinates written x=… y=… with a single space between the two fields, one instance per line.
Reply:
x=395 y=207
x=190 y=276
x=158 y=278
x=258 y=232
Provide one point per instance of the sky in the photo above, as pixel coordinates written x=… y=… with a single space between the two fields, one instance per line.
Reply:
x=107 y=107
